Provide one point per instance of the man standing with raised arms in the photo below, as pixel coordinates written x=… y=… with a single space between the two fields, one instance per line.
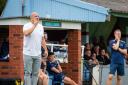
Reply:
x=118 y=52
x=33 y=39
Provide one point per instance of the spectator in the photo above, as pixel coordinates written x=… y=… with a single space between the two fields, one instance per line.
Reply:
x=87 y=46
x=90 y=58
x=54 y=68
x=87 y=55
x=90 y=62
x=103 y=57
x=96 y=50
x=95 y=61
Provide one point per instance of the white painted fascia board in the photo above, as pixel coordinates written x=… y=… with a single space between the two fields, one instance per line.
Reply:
x=22 y=21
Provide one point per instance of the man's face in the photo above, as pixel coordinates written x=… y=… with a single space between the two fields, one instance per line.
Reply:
x=34 y=17
x=51 y=57
x=117 y=34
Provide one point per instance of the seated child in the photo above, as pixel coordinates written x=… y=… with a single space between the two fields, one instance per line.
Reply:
x=54 y=68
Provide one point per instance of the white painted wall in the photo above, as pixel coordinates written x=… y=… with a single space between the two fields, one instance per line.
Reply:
x=22 y=21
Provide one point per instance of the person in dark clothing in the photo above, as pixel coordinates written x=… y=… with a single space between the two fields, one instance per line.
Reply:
x=4 y=51
x=118 y=52
x=103 y=58
x=96 y=50
x=87 y=46
x=90 y=58
x=87 y=55
x=89 y=62
x=54 y=68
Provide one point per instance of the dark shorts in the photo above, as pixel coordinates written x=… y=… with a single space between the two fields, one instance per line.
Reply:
x=117 y=67
x=59 y=77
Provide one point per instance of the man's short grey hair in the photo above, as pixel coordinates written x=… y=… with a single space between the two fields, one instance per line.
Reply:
x=33 y=13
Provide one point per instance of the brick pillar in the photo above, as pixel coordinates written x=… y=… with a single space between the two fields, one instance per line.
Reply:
x=74 y=53
x=14 y=68
x=16 y=47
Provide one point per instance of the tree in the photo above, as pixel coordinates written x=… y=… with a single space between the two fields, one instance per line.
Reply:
x=2 y=5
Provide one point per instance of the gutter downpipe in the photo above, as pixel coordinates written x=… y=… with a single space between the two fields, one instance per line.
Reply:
x=23 y=7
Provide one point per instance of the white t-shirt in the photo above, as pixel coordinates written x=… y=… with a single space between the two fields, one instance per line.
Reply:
x=32 y=42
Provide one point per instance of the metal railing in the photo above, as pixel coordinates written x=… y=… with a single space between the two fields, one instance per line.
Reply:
x=61 y=55
x=61 y=52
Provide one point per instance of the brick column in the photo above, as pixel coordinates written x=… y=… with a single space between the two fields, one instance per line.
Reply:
x=14 y=68
x=16 y=47
x=74 y=53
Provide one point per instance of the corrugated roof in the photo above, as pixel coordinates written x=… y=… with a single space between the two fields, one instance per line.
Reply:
x=69 y=10
x=13 y=8
x=114 y=5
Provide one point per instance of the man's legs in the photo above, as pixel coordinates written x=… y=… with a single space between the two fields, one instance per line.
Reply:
x=27 y=69
x=43 y=78
x=35 y=69
x=120 y=72
x=109 y=80
x=113 y=68
x=67 y=80
x=118 y=81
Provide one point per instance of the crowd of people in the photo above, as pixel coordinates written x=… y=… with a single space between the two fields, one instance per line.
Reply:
x=37 y=61
x=94 y=54
x=97 y=53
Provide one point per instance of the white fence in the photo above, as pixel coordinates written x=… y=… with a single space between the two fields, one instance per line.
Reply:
x=100 y=73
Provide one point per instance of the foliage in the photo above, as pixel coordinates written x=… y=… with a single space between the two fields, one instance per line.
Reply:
x=2 y=5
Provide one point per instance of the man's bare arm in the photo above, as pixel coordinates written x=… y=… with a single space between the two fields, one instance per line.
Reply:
x=59 y=68
x=44 y=46
x=123 y=51
x=116 y=46
x=55 y=70
x=29 y=31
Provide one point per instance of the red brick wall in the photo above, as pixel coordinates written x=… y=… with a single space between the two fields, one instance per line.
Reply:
x=14 y=68
x=72 y=69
